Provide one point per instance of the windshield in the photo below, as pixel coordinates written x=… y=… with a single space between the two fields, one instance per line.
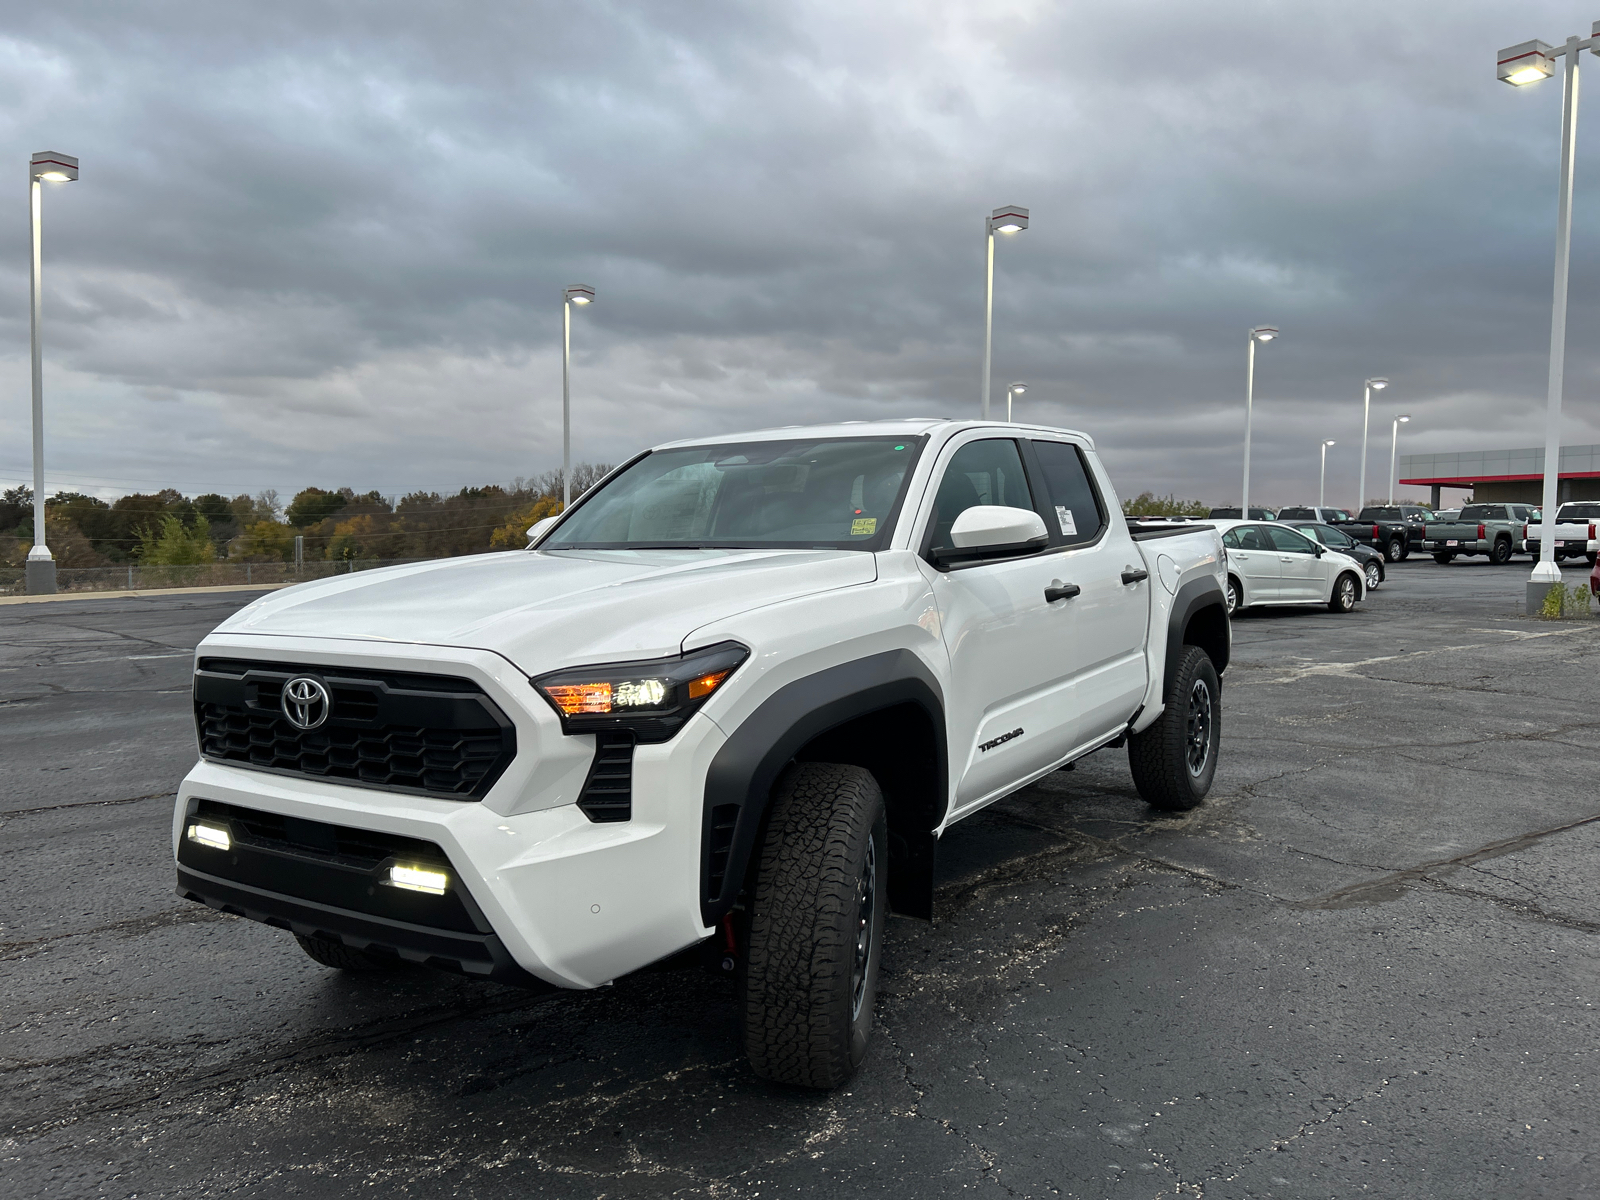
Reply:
x=827 y=493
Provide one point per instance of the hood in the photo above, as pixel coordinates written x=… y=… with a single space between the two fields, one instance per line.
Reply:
x=544 y=610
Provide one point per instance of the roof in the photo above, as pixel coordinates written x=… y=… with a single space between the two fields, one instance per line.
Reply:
x=898 y=427
x=1466 y=467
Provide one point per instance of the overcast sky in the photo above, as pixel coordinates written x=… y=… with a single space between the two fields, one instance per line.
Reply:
x=326 y=244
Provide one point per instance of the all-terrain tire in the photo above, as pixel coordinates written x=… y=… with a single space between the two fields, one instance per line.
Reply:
x=1345 y=591
x=820 y=895
x=346 y=958
x=1444 y=560
x=1174 y=760
x=1501 y=554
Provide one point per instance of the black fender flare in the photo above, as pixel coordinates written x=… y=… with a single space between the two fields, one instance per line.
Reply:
x=742 y=774
x=1192 y=598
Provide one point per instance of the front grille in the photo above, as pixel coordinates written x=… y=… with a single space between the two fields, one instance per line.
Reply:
x=431 y=735
x=608 y=792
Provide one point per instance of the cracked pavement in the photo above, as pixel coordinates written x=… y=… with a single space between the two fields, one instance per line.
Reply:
x=1366 y=965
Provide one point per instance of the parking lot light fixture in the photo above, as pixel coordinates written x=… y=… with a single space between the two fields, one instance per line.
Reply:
x=1012 y=218
x=579 y=294
x=1016 y=389
x=1520 y=65
x=1373 y=385
x=1394 y=446
x=1322 y=487
x=1260 y=333
x=48 y=166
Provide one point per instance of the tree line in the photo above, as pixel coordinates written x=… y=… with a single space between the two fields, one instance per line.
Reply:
x=168 y=528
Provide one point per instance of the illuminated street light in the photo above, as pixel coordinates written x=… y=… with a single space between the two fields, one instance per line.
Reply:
x=1519 y=66
x=1011 y=219
x=1263 y=334
x=1394 y=447
x=1016 y=389
x=46 y=167
x=580 y=294
x=1373 y=385
x=1322 y=488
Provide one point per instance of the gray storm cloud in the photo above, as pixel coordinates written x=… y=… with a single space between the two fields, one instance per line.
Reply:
x=326 y=244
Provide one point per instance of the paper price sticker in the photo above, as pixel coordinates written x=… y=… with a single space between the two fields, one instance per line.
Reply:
x=1069 y=527
x=863 y=526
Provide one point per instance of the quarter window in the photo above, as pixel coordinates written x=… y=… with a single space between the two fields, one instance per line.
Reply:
x=1076 y=515
x=984 y=472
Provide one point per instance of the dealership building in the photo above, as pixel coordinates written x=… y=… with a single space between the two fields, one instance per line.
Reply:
x=1494 y=475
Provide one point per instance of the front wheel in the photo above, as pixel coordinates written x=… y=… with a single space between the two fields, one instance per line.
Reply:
x=1233 y=595
x=1174 y=761
x=1343 y=599
x=1395 y=550
x=816 y=926
x=1374 y=576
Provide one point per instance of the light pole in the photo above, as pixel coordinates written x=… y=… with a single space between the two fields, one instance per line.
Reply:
x=1322 y=487
x=1373 y=385
x=1261 y=333
x=46 y=167
x=577 y=293
x=1016 y=389
x=1394 y=448
x=1011 y=219
x=1521 y=65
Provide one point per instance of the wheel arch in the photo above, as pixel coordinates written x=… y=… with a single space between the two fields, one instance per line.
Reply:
x=1200 y=618
x=884 y=713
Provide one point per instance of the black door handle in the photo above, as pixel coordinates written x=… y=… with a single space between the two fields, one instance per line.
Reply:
x=1065 y=592
x=1135 y=576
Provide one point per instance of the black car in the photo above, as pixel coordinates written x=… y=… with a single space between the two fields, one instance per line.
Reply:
x=1337 y=539
x=1232 y=514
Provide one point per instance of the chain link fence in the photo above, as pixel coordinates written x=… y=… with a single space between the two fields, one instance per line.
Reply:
x=135 y=578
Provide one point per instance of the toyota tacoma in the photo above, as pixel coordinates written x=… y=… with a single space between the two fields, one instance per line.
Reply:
x=732 y=697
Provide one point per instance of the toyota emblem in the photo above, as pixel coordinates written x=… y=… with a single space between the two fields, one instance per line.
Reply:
x=306 y=702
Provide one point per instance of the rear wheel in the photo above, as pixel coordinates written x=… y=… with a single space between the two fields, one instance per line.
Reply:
x=1501 y=554
x=1233 y=595
x=1444 y=560
x=1374 y=575
x=1343 y=599
x=1174 y=761
x=816 y=926
x=1395 y=550
x=346 y=958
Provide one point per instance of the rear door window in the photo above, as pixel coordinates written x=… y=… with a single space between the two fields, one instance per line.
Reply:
x=1075 y=514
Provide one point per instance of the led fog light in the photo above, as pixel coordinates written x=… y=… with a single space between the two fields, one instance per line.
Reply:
x=210 y=835
x=419 y=879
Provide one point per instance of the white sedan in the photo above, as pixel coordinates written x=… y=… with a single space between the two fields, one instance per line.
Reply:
x=1270 y=563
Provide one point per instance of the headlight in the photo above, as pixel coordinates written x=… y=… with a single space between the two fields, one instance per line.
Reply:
x=651 y=699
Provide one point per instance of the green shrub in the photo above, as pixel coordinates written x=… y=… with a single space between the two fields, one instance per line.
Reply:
x=1564 y=602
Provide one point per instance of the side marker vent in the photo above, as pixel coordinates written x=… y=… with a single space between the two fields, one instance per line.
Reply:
x=608 y=792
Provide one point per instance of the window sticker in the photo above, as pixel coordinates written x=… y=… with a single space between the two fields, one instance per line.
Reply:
x=1069 y=527
x=863 y=526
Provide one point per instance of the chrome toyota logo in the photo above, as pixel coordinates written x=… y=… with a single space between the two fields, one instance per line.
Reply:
x=306 y=702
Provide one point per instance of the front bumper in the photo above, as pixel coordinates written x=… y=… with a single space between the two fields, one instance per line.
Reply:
x=566 y=900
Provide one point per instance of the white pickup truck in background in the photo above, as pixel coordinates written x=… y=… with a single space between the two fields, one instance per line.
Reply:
x=1576 y=523
x=732 y=697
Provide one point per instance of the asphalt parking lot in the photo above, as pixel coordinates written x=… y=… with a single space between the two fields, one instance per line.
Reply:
x=1368 y=965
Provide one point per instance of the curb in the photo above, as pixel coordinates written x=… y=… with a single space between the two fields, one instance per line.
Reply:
x=141 y=593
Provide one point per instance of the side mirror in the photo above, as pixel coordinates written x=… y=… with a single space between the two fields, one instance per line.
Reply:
x=993 y=531
x=1320 y=548
x=538 y=528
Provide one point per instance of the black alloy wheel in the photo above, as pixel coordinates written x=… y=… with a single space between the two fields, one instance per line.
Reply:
x=1201 y=718
x=866 y=928
x=1501 y=554
x=1174 y=760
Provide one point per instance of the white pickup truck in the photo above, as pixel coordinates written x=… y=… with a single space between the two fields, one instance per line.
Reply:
x=1576 y=523
x=732 y=697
